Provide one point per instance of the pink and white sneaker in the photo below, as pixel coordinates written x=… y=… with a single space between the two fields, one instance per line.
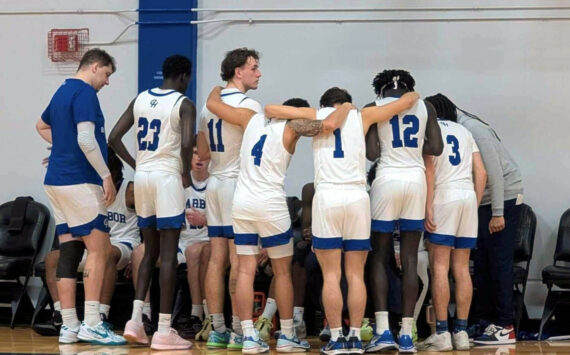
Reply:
x=134 y=333
x=169 y=341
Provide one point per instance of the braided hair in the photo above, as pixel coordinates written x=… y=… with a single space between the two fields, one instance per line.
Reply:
x=445 y=109
x=393 y=79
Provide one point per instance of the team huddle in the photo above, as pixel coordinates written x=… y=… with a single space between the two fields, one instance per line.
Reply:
x=216 y=200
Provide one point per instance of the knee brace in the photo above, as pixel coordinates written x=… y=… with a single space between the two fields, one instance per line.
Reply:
x=70 y=255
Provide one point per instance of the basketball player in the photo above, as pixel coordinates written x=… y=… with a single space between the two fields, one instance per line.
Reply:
x=398 y=197
x=194 y=244
x=260 y=213
x=455 y=183
x=341 y=208
x=165 y=121
x=220 y=141
x=80 y=187
x=124 y=238
x=499 y=216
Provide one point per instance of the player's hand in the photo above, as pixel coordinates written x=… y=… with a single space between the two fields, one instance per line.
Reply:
x=195 y=218
x=496 y=224
x=186 y=180
x=45 y=161
x=263 y=257
x=128 y=271
x=411 y=97
x=428 y=223
x=109 y=191
x=307 y=234
x=215 y=93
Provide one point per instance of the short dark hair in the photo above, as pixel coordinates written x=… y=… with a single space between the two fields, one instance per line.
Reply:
x=114 y=163
x=297 y=102
x=387 y=79
x=176 y=65
x=235 y=59
x=335 y=95
x=445 y=109
x=97 y=55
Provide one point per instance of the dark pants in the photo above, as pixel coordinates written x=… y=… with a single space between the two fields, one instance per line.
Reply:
x=494 y=267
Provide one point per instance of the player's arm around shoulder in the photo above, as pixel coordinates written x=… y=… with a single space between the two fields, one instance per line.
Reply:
x=235 y=115
x=378 y=114
x=283 y=112
x=433 y=144
x=125 y=122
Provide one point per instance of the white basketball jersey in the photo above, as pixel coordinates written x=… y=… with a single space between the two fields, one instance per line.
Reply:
x=402 y=137
x=339 y=158
x=224 y=139
x=260 y=191
x=454 y=167
x=195 y=198
x=157 y=118
x=122 y=219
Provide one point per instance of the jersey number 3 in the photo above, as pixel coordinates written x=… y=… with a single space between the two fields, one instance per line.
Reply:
x=144 y=125
x=454 y=158
x=412 y=127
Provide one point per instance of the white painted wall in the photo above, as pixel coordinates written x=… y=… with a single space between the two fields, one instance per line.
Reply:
x=513 y=74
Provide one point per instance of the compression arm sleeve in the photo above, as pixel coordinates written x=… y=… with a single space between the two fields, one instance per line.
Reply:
x=89 y=146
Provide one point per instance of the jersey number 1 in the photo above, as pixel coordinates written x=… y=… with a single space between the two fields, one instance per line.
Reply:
x=257 y=151
x=220 y=146
x=144 y=125
x=338 y=152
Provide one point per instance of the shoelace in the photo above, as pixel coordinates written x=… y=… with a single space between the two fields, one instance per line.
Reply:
x=490 y=329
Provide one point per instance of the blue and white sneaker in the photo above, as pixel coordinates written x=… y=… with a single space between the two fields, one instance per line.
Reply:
x=99 y=334
x=406 y=345
x=251 y=345
x=354 y=345
x=338 y=347
x=68 y=335
x=235 y=342
x=382 y=342
x=217 y=340
x=291 y=345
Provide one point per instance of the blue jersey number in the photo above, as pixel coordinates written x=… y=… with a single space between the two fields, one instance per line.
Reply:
x=220 y=146
x=413 y=127
x=338 y=152
x=144 y=126
x=455 y=158
x=257 y=151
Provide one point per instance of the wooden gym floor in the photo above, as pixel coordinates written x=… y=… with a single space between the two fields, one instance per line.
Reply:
x=26 y=341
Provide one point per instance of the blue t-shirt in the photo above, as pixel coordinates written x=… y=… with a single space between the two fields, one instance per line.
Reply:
x=75 y=101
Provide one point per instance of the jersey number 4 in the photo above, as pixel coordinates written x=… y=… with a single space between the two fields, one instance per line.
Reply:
x=144 y=126
x=220 y=146
x=454 y=158
x=412 y=127
x=257 y=151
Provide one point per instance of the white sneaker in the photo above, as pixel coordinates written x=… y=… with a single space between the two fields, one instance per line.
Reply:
x=99 y=334
x=68 y=335
x=437 y=342
x=461 y=340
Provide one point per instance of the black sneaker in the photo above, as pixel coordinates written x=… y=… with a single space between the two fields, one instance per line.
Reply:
x=50 y=327
x=149 y=327
x=338 y=347
x=191 y=328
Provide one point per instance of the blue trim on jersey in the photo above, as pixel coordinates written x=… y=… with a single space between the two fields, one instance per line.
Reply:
x=146 y=222
x=356 y=244
x=465 y=242
x=231 y=93
x=197 y=189
x=327 y=243
x=221 y=232
x=174 y=222
x=100 y=222
x=246 y=238
x=129 y=245
x=440 y=239
x=180 y=250
x=61 y=229
x=157 y=94
x=411 y=225
x=277 y=240
x=383 y=226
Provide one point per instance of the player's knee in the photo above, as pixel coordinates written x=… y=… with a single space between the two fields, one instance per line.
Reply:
x=192 y=254
x=71 y=254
